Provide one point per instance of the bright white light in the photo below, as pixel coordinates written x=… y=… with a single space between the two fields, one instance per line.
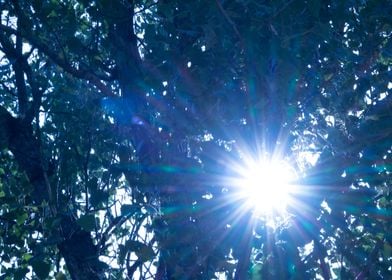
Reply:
x=266 y=185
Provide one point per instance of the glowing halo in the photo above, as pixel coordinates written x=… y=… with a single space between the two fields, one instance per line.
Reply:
x=265 y=185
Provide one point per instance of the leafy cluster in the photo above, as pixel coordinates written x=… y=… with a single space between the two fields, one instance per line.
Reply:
x=119 y=120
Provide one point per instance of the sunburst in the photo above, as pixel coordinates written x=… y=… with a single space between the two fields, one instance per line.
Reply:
x=265 y=185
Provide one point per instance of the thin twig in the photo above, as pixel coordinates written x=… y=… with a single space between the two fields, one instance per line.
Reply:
x=146 y=8
x=298 y=35
x=230 y=21
x=282 y=9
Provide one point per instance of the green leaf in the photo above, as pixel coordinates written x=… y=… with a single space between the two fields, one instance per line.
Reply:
x=87 y=222
x=26 y=257
x=21 y=219
x=142 y=251
x=387 y=250
x=145 y=253
x=52 y=14
x=60 y=276
x=41 y=269
x=52 y=223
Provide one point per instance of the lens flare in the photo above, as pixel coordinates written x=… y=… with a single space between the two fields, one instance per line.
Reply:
x=266 y=185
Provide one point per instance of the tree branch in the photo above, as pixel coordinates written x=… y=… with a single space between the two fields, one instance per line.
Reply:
x=230 y=21
x=242 y=269
x=80 y=73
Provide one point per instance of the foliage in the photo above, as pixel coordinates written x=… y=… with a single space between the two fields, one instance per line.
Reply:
x=119 y=120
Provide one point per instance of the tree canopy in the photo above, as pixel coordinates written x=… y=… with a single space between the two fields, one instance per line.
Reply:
x=122 y=123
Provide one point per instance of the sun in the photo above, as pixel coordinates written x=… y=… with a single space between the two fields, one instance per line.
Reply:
x=266 y=185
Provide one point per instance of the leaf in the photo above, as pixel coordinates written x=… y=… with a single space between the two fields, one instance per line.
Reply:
x=97 y=197
x=20 y=273
x=142 y=251
x=41 y=269
x=328 y=77
x=122 y=254
x=52 y=223
x=387 y=250
x=146 y=253
x=52 y=14
x=60 y=276
x=26 y=257
x=21 y=219
x=87 y=222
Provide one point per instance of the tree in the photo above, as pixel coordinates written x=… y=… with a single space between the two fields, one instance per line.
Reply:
x=119 y=121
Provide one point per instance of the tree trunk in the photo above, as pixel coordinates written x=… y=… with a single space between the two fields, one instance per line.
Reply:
x=77 y=246
x=243 y=265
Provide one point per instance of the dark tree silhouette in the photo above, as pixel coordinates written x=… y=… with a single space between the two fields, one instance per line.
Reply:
x=123 y=121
